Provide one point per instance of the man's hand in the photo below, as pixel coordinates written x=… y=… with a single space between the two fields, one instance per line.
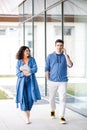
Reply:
x=64 y=51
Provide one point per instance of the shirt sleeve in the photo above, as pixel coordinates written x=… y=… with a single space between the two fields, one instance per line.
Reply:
x=47 y=64
x=33 y=67
x=19 y=73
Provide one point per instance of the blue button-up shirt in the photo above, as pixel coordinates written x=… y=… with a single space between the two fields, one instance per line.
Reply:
x=56 y=65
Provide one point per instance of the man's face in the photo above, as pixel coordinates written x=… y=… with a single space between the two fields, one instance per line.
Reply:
x=59 y=47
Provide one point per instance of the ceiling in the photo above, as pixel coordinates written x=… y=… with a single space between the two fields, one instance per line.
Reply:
x=9 y=7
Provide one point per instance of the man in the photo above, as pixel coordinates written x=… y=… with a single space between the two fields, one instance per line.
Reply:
x=56 y=74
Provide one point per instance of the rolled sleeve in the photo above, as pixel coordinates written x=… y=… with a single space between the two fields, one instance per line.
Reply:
x=47 y=65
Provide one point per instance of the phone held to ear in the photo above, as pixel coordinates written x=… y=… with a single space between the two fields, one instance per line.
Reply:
x=62 y=50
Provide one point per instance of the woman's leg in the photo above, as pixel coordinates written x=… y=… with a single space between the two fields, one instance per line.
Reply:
x=27 y=116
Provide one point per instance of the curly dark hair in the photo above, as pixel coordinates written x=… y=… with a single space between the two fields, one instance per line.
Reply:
x=59 y=40
x=20 y=53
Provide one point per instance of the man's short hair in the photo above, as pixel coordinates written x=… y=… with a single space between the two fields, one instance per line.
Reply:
x=59 y=40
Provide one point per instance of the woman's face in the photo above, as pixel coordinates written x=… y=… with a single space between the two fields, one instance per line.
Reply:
x=26 y=52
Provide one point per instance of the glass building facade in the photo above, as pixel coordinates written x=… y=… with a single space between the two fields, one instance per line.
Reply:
x=44 y=21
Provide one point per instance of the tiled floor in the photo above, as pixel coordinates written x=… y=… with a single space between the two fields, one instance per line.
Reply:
x=12 y=118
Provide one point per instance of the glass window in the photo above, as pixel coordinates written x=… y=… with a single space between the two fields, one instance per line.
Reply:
x=54 y=28
x=27 y=9
x=28 y=34
x=21 y=13
x=75 y=25
x=40 y=35
x=38 y=6
x=39 y=49
x=9 y=43
x=51 y=2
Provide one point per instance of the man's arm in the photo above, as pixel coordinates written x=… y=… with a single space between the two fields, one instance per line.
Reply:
x=69 y=62
x=47 y=74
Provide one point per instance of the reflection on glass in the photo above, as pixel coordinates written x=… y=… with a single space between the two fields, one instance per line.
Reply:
x=39 y=49
x=54 y=28
x=75 y=24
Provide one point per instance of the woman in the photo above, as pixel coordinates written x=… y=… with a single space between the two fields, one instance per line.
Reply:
x=27 y=90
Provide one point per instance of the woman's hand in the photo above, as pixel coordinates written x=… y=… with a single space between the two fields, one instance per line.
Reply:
x=26 y=73
x=25 y=69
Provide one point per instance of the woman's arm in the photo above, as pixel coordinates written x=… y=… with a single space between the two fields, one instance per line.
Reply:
x=33 y=66
x=19 y=73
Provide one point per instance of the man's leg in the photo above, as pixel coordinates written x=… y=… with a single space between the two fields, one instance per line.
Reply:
x=52 y=93
x=62 y=100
